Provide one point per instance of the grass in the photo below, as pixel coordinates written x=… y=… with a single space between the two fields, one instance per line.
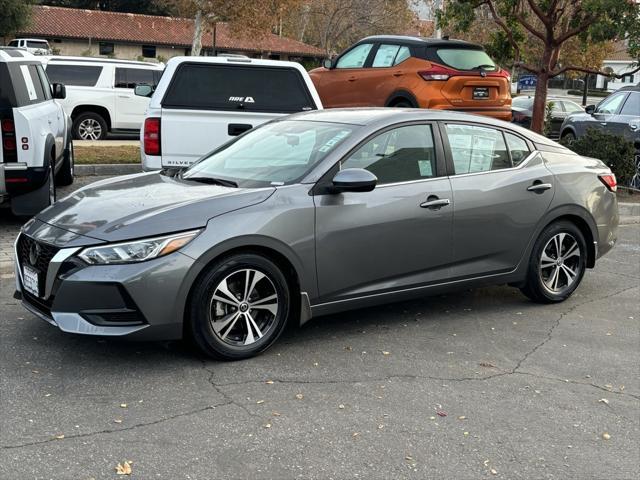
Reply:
x=94 y=155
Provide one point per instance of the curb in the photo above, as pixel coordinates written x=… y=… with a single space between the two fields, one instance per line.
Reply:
x=628 y=209
x=102 y=169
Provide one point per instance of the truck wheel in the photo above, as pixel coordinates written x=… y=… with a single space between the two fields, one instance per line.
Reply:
x=65 y=174
x=89 y=126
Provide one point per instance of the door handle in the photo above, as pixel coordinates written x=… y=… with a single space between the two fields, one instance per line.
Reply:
x=124 y=96
x=399 y=73
x=352 y=79
x=539 y=187
x=435 y=203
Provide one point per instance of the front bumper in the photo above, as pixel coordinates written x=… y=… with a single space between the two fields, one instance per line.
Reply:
x=138 y=300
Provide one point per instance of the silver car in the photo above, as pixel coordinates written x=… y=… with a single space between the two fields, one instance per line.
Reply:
x=313 y=214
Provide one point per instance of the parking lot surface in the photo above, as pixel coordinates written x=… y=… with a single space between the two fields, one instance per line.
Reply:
x=474 y=384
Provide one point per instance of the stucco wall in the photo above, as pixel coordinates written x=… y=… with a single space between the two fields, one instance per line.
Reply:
x=619 y=67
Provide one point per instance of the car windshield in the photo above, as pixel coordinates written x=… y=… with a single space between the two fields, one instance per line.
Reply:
x=278 y=153
x=467 y=59
x=522 y=102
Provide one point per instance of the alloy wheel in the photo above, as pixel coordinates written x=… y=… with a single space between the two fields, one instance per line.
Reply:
x=560 y=263
x=243 y=307
x=89 y=129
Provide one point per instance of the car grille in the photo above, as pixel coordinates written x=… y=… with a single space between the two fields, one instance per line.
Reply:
x=44 y=255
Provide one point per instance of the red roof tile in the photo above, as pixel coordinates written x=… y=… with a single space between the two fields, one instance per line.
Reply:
x=147 y=29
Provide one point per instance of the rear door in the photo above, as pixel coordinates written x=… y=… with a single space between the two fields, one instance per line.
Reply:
x=475 y=81
x=603 y=118
x=207 y=104
x=381 y=75
x=130 y=108
x=500 y=191
x=627 y=121
x=391 y=238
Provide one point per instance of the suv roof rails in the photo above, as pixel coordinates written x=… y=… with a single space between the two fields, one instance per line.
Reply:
x=65 y=58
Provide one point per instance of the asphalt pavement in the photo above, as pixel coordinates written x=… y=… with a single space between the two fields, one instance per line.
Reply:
x=473 y=384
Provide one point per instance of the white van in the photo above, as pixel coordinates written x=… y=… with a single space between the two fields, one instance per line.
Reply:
x=100 y=96
x=202 y=102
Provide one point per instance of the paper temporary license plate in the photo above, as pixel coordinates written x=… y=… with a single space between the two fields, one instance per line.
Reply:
x=480 y=93
x=30 y=280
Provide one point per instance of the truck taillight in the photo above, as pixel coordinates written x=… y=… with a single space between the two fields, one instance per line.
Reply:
x=8 y=126
x=8 y=133
x=609 y=180
x=151 y=136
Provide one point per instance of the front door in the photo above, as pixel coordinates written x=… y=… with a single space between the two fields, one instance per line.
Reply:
x=500 y=192
x=397 y=236
x=131 y=108
x=341 y=86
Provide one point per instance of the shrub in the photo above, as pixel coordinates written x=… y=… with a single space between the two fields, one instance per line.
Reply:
x=614 y=150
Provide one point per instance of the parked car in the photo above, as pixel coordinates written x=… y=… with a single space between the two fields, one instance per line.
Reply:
x=522 y=112
x=202 y=102
x=36 y=46
x=37 y=150
x=619 y=114
x=317 y=213
x=399 y=71
x=100 y=93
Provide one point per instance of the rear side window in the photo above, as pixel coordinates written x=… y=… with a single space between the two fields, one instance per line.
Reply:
x=385 y=55
x=237 y=87
x=518 y=148
x=632 y=105
x=74 y=75
x=130 y=77
x=466 y=59
x=477 y=149
x=35 y=92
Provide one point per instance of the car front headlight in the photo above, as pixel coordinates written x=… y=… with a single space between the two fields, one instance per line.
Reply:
x=138 y=250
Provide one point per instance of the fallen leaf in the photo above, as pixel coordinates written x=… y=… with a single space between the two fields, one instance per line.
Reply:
x=117 y=420
x=355 y=434
x=59 y=437
x=315 y=364
x=462 y=417
x=604 y=400
x=47 y=395
x=408 y=457
x=123 y=405
x=441 y=413
x=124 y=468
x=259 y=402
x=493 y=471
x=465 y=434
x=606 y=436
x=487 y=365
x=608 y=386
x=348 y=347
x=609 y=334
x=267 y=425
x=341 y=407
x=276 y=414
x=386 y=353
x=380 y=427
x=432 y=418
x=269 y=382
x=299 y=396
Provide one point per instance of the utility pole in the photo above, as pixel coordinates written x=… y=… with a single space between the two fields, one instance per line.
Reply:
x=438 y=5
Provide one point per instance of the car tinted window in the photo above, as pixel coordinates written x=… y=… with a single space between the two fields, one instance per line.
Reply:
x=46 y=86
x=610 y=104
x=43 y=45
x=130 y=77
x=399 y=155
x=517 y=147
x=355 y=57
x=238 y=87
x=476 y=149
x=402 y=55
x=74 y=75
x=14 y=43
x=571 y=107
x=385 y=55
x=276 y=153
x=632 y=105
x=32 y=83
x=466 y=59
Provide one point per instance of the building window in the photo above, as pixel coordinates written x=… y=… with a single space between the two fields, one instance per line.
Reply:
x=106 y=48
x=149 y=51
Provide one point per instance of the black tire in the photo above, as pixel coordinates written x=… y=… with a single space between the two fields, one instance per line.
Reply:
x=52 y=188
x=229 y=340
x=86 y=125
x=403 y=104
x=568 y=138
x=65 y=175
x=540 y=278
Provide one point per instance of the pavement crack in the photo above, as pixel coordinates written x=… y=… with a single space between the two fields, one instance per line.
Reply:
x=117 y=430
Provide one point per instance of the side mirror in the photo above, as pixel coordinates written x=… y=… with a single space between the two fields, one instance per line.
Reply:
x=59 y=91
x=590 y=109
x=327 y=63
x=354 y=180
x=143 y=90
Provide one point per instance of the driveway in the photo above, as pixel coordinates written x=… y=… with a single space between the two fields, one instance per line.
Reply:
x=474 y=384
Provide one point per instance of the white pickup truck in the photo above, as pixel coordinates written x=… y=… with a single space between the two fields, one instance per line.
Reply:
x=202 y=102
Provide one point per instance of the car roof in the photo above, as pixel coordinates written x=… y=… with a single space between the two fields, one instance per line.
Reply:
x=234 y=61
x=15 y=54
x=69 y=58
x=421 y=41
x=31 y=39
x=630 y=88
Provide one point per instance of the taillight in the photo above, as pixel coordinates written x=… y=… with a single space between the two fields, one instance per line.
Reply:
x=437 y=72
x=151 y=136
x=8 y=126
x=609 y=180
x=9 y=143
x=9 y=148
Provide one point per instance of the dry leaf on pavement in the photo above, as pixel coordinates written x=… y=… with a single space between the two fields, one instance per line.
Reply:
x=299 y=396
x=124 y=468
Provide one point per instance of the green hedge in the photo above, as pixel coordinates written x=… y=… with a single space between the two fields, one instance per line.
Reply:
x=590 y=93
x=614 y=150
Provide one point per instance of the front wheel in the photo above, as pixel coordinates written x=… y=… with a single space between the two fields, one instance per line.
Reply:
x=239 y=307
x=568 y=138
x=66 y=173
x=557 y=264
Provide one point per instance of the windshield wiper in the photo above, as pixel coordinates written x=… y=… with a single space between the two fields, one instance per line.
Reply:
x=212 y=181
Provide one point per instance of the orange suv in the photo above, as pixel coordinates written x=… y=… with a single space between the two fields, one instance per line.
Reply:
x=399 y=71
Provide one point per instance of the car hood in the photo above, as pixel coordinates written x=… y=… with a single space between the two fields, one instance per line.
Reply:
x=146 y=204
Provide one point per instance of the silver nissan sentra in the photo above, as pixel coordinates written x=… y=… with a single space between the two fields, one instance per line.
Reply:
x=312 y=214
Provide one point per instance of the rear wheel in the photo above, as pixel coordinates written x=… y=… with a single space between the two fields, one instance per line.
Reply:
x=89 y=126
x=557 y=264
x=66 y=172
x=239 y=307
x=568 y=138
x=403 y=104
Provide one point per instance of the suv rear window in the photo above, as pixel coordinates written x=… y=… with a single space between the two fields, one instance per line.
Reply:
x=238 y=87
x=466 y=59
x=76 y=75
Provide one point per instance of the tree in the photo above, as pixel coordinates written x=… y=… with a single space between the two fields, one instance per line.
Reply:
x=535 y=33
x=14 y=17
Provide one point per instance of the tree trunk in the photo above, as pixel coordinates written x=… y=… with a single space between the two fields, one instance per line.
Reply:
x=196 y=46
x=539 y=103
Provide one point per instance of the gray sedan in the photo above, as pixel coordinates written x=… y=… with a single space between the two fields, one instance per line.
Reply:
x=313 y=214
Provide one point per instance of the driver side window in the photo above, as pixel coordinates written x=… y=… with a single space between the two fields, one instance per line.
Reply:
x=400 y=155
x=355 y=57
x=610 y=105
